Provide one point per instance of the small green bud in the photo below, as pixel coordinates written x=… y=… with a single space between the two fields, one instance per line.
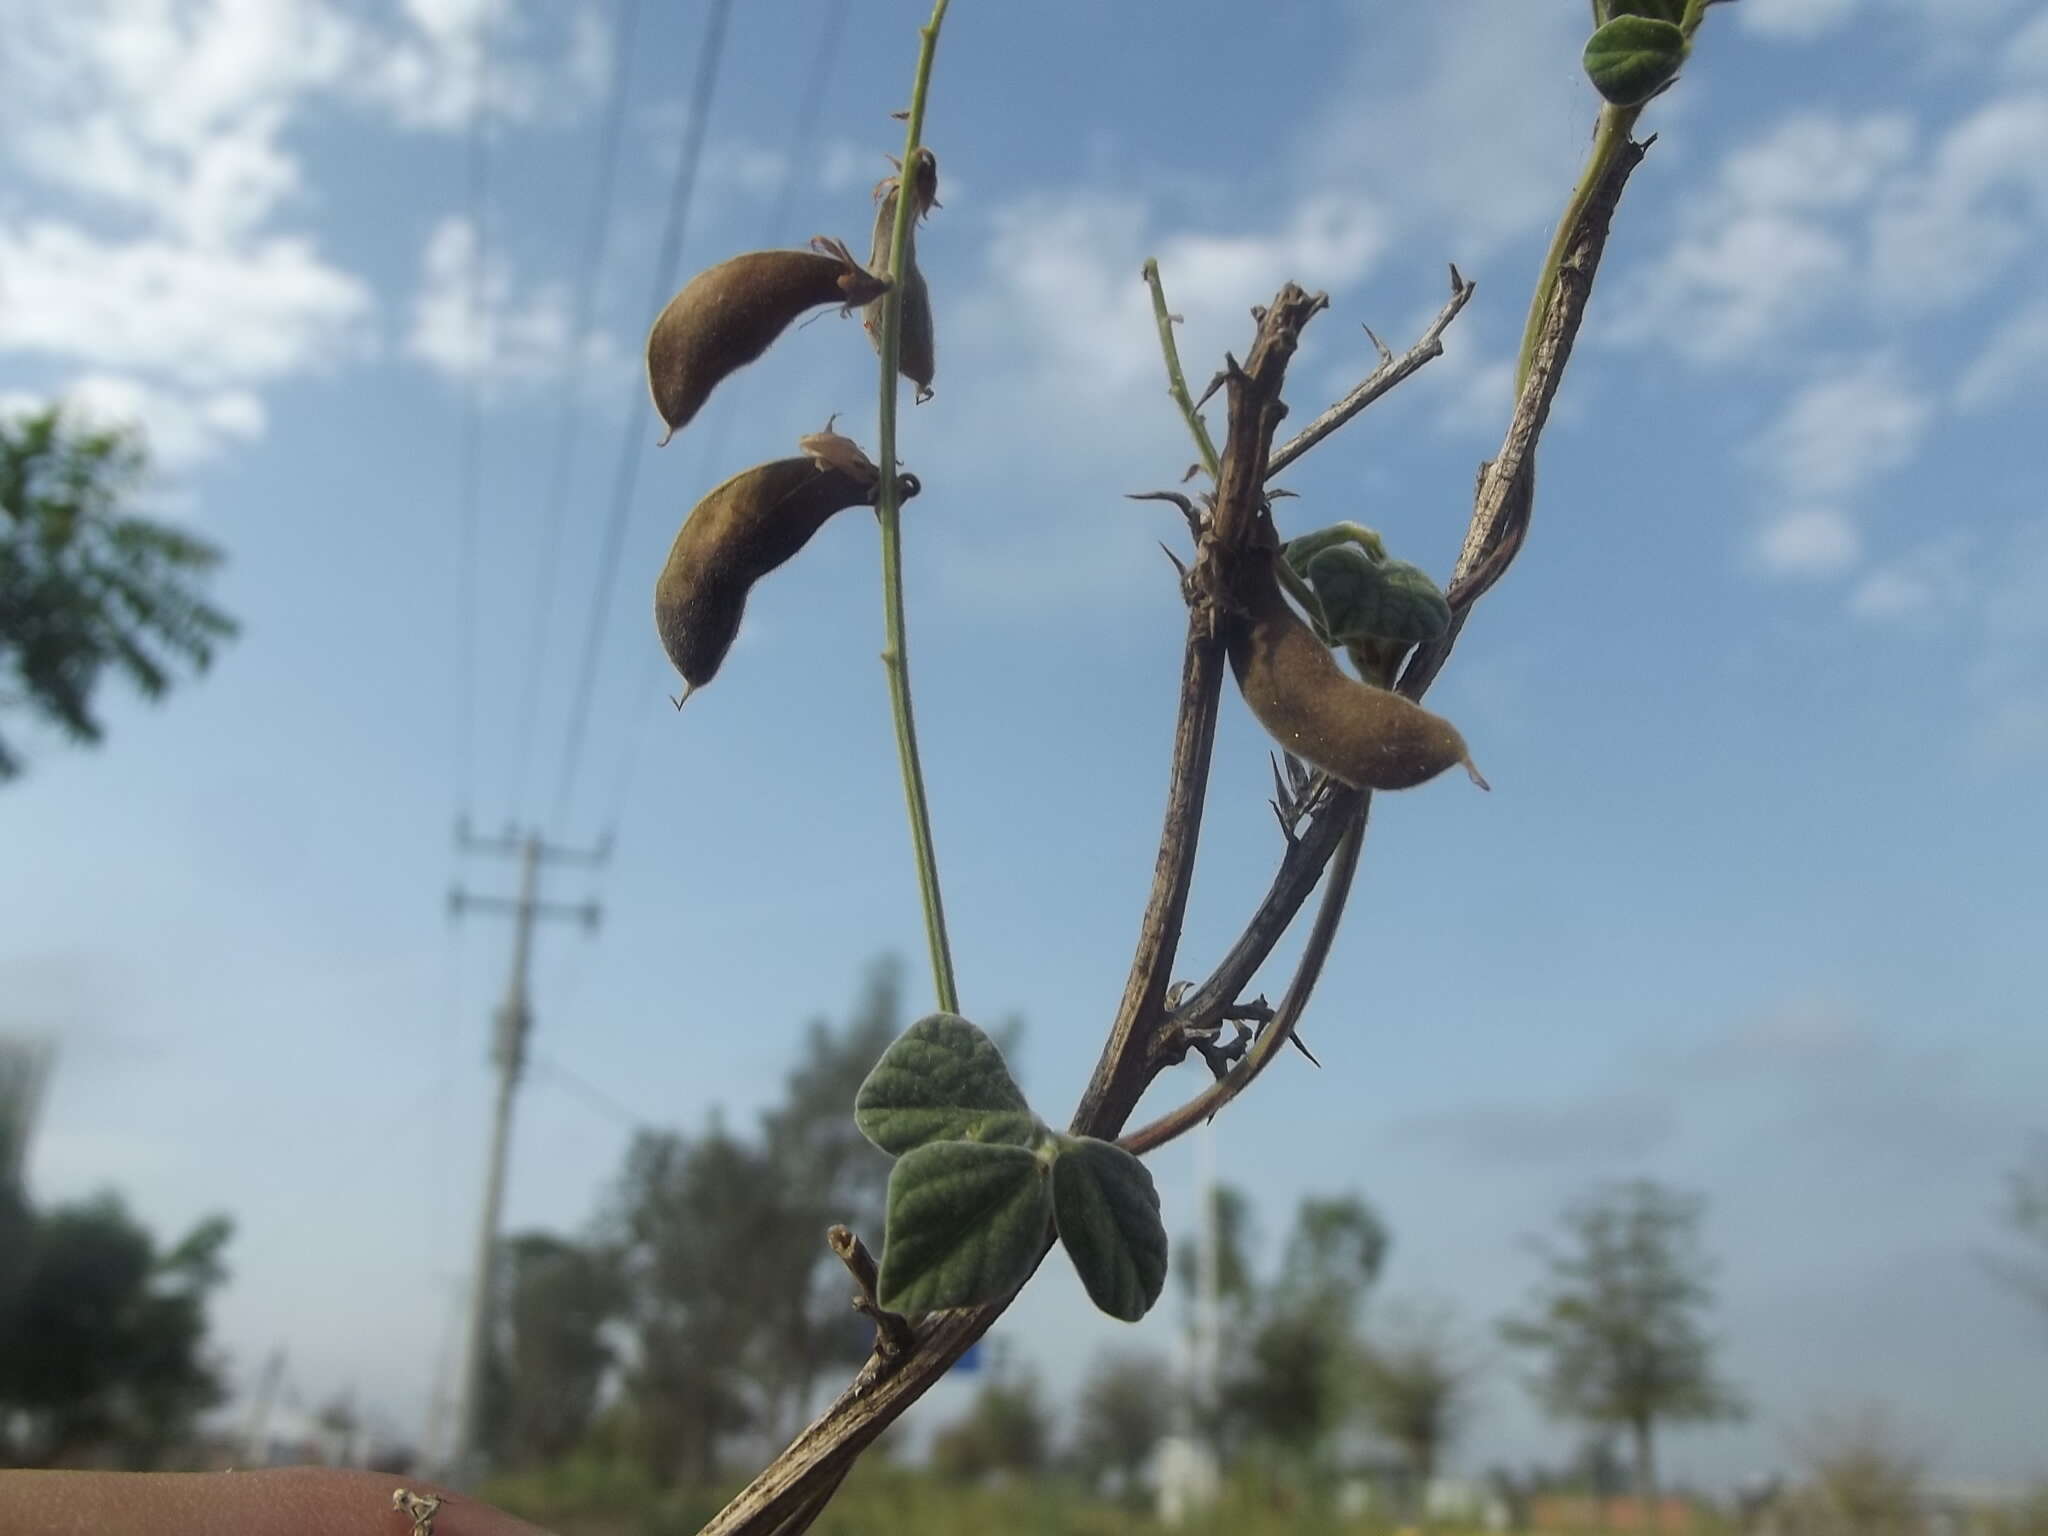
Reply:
x=1633 y=57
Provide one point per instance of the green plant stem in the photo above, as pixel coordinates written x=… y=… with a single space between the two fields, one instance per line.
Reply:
x=1616 y=123
x=895 y=655
x=1176 y=381
x=1608 y=137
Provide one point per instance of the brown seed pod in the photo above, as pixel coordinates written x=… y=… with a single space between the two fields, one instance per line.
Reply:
x=728 y=315
x=916 y=355
x=1371 y=738
x=740 y=532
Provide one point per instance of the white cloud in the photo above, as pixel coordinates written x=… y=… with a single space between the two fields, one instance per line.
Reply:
x=182 y=427
x=1766 y=252
x=210 y=317
x=157 y=269
x=1947 y=232
x=1472 y=131
x=2015 y=357
x=1807 y=541
x=2026 y=52
x=514 y=338
x=1843 y=430
x=1800 y=19
x=1926 y=584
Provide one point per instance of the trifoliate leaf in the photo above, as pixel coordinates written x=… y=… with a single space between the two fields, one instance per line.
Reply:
x=1379 y=600
x=1108 y=1216
x=965 y=1223
x=1633 y=57
x=943 y=1080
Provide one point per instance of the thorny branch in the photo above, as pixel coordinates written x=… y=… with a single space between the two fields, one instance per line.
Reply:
x=1391 y=371
x=788 y=1494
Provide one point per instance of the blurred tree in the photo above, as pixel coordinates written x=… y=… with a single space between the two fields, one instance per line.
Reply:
x=1004 y=1432
x=2026 y=1215
x=698 y=1219
x=1866 y=1479
x=1416 y=1389
x=85 y=587
x=731 y=1295
x=1126 y=1409
x=101 y=1348
x=1334 y=1255
x=1616 y=1319
x=552 y=1359
x=827 y=1172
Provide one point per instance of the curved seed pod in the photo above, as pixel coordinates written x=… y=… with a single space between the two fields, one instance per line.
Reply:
x=1632 y=58
x=916 y=356
x=1370 y=738
x=1383 y=600
x=740 y=532
x=728 y=315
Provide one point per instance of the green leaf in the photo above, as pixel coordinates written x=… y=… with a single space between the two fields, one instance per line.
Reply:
x=943 y=1080
x=1384 y=600
x=1298 y=551
x=965 y=1224
x=1633 y=57
x=1108 y=1216
x=1672 y=11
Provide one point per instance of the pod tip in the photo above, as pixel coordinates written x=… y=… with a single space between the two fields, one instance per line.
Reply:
x=1478 y=778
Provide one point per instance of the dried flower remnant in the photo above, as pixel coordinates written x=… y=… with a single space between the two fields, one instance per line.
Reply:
x=916 y=355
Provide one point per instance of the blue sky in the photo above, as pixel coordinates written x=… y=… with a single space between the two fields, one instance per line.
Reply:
x=1765 y=702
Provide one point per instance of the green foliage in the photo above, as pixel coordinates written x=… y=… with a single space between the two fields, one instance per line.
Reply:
x=981 y=1178
x=2026 y=1218
x=1107 y=1211
x=84 y=587
x=966 y=1223
x=733 y=1302
x=1632 y=58
x=1364 y=599
x=943 y=1081
x=1616 y=1320
x=1415 y=1387
x=1006 y=1431
x=101 y=1340
x=1126 y=1408
x=552 y=1358
x=1334 y=1256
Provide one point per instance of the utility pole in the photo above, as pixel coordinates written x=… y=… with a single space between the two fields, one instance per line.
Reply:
x=511 y=1025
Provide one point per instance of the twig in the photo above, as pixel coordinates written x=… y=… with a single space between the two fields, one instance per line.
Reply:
x=1176 y=382
x=1129 y=1060
x=1501 y=504
x=896 y=647
x=1329 y=915
x=894 y=1337
x=1499 y=521
x=1391 y=371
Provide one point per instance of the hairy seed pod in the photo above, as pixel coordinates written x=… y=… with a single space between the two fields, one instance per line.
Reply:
x=743 y=530
x=728 y=315
x=916 y=355
x=1371 y=738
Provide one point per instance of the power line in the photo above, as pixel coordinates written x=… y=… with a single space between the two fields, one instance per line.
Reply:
x=711 y=448
x=596 y=241
x=468 y=454
x=631 y=446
